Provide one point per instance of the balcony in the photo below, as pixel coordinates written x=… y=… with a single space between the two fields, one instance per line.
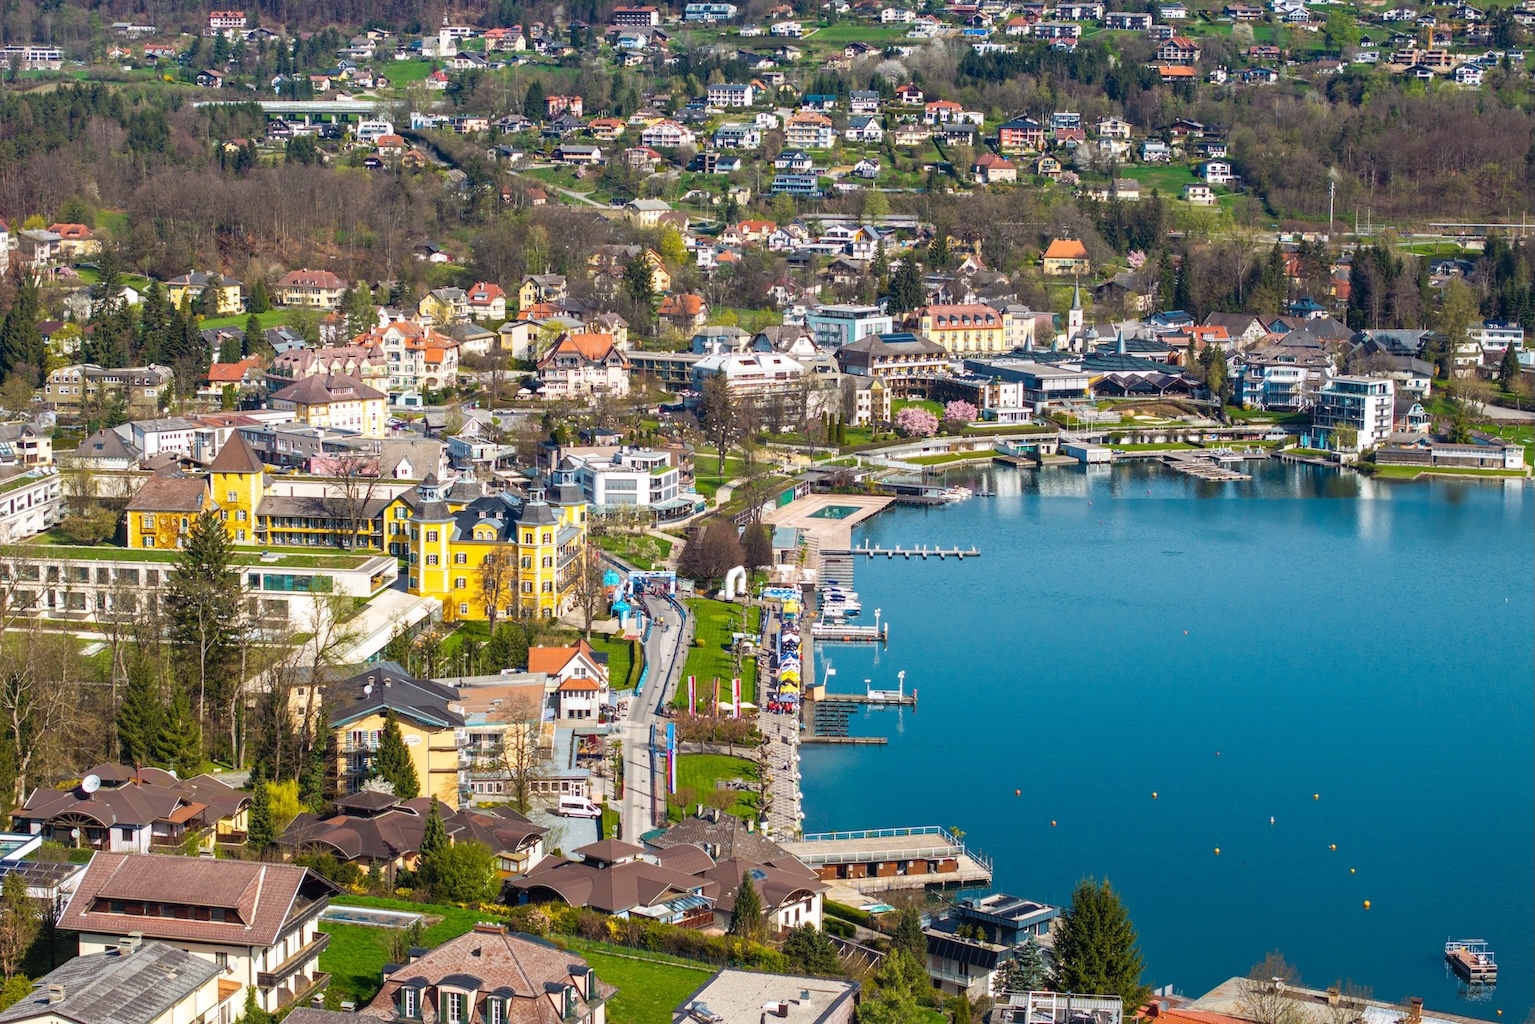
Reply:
x=275 y=977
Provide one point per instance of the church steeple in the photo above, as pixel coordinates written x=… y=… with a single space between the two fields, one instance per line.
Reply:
x=1074 y=319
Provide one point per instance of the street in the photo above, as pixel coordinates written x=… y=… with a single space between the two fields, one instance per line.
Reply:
x=665 y=654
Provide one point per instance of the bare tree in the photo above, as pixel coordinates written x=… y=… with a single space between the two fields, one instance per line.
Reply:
x=40 y=692
x=331 y=634
x=523 y=758
x=497 y=577
x=354 y=482
x=591 y=595
x=1266 y=993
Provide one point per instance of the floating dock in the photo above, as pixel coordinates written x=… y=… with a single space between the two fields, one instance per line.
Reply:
x=1205 y=465
x=1471 y=961
x=855 y=741
x=909 y=553
x=847 y=633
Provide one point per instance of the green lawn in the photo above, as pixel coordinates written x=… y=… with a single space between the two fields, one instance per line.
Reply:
x=1167 y=180
x=700 y=772
x=648 y=989
x=622 y=671
x=936 y=408
x=357 y=953
x=465 y=631
x=271 y=318
x=404 y=72
x=715 y=621
x=948 y=457
x=54 y=545
x=1525 y=435
x=706 y=477
x=641 y=550
x=842 y=34
x=1168 y=446
x=1236 y=412
x=1413 y=472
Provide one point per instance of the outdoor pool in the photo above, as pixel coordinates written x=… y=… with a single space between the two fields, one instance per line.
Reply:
x=370 y=916
x=835 y=512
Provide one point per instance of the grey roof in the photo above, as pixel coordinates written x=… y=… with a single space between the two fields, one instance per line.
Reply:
x=387 y=686
x=117 y=988
x=728 y=835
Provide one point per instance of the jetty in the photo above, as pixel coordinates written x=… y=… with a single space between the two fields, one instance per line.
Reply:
x=1471 y=961
x=852 y=741
x=855 y=864
x=924 y=552
x=1207 y=465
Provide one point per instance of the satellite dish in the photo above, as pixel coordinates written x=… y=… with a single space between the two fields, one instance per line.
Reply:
x=367 y=689
x=90 y=783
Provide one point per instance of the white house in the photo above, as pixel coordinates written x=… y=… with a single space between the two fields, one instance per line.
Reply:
x=1216 y=172
x=1363 y=403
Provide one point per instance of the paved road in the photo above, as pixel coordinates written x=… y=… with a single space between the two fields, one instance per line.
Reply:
x=642 y=809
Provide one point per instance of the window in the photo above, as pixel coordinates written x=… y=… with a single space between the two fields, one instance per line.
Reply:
x=233 y=496
x=527 y=586
x=495 y=1011
x=527 y=561
x=149 y=522
x=548 y=538
x=431 y=536
x=453 y=1008
x=431 y=559
x=463 y=609
x=149 y=542
x=240 y=515
x=460 y=559
x=459 y=583
x=410 y=1003
x=548 y=586
x=548 y=562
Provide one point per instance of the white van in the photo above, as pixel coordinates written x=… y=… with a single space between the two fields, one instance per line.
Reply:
x=578 y=807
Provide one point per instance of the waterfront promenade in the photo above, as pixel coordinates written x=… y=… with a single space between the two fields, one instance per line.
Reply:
x=780 y=758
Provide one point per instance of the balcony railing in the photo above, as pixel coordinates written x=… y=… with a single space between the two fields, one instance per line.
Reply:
x=274 y=977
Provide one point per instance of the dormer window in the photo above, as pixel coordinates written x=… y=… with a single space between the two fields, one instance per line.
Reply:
x=455 y=1007
x=495 y=1011
x=410 y=1003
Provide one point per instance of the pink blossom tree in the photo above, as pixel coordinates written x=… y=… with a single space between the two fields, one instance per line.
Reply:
x=914 y=421
x=959 y=413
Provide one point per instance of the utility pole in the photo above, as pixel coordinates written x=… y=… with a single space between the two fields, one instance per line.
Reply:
x=1332 y=191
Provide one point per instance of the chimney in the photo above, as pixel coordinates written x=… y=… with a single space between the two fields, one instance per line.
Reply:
x=804 y=997
x=1415 y=1009
x=55 y=994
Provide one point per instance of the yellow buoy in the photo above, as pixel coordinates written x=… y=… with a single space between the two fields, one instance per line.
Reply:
x=1333 y=847
x=1316 y=796
x=1367 y=904
x=1052 y=822
x=1153 y=794
x=1351 y=871
x=1217 y=851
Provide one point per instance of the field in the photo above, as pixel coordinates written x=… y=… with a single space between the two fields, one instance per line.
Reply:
x=271 y=318
x=716 y=621
x=404 y=72
x=641 y=550
x=1167 y=180
x=842 y=34
x=621 y=665
x=648 y=990
x=700 y=773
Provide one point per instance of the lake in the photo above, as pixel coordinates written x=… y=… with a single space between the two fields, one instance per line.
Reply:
x=1352 y=659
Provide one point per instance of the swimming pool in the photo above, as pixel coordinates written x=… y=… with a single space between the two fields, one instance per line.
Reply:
x=370 y=916
x=835 y=512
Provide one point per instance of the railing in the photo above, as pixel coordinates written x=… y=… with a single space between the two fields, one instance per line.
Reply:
x=880 y=833
x=274 y=977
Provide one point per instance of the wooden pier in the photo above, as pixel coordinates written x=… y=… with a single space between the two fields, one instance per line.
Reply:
x=852 y=741
x=1202 y=465
x=923 y=552
x=874 y=698
x=846 y=633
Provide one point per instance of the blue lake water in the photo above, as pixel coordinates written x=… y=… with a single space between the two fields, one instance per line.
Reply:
x=1238 y=649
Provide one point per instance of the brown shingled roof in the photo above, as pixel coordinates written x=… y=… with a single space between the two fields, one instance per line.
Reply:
x=237 y=456
x=170 y=494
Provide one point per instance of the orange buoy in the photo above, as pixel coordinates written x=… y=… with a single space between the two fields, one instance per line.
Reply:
x=1017 y=792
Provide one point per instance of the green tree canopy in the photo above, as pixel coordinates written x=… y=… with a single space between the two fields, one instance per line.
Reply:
x=393 y=762
x=747 y=920
x=462 y=873
x=179 y=744
x=1095 y=946
x=260 y=833
x=811 y=952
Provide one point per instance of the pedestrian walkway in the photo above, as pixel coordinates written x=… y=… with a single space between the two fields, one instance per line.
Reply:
x=780 y=733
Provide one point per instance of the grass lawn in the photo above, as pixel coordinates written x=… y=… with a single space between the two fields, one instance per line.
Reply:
x=700 y=772
x=53 y=544
x=622 y=672
x=648 y=989
x=468 y=629
x=1168 y=180
x=1169 y=446
x=357 y=953
x=936 y=408
x=404 y=72
x=1525 y=435
x=641 y=550
x=948 y=457
x=715 y=621
x=1236 y=412
x=1413 y=472
x=271 y=318
x=840 y=34
x=706 y=478
x=1310 y=453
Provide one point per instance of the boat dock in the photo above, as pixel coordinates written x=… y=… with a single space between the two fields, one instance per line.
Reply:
x=847 y=633
x=879 y=860
x=923 y=552
x=853 y=741
x=1206 y=464
x=1471 y=961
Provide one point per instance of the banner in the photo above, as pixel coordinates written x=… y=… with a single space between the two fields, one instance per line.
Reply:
x=735 y=695
x=692 y=696
x=671 y=758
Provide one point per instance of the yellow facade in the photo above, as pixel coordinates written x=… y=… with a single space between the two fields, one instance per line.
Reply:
x=227 y=300
x=433 y=751
x=449 y=546
x=238 y=496
x=160 y=530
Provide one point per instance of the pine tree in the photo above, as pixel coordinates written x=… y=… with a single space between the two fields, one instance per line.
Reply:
x=258 y=301
x=1095 y=946
x=1026 y=971
x=434 y=835
x=746 y=921
x=253 y=336
x=204 y=607
x=811 y=952
x=639 y=284
x=314 y=779
x=21 y=340
x=908 y=934
x=906 y=291
x=179 y=746
x=260 y=834
x=1508 y=369
x=139 y=716
x=533 y=100
x=393 y=763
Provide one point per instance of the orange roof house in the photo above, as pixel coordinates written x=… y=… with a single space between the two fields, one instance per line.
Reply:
x=567 y=663
x=1066 y=256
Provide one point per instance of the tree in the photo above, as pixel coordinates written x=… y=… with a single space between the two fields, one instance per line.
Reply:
x=1341 y=31
x=959 y=413
x=496 y=580
x=359 y=310
x=253 y=1013
x=21 y=340
x=140 y=715
x=354 y=479
x=434 y=836
x=18 y=922
x=205 y=605
x=254 y=337
x=1508 y=369
x=713 y=553
x=261 y=833
x=811 y=952
x=915 y=421
x=464 y=872
x=718 y=414
x=758 y=543
x=639 y=283
x=1265 y=999
x=393 y=762
x=522 y=759
x=672 y=248
x=747 y=920
x=591 y=592
x=908 y=933
x=258 y=301
x=1095 y=946
x=906 y=289
x=179 y=746
x=1025 y=971
x=898 y=983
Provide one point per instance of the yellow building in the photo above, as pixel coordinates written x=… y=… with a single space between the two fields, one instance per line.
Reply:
x=964 y=329
x=522 y=555
x=332 y=400
x=236 y=488
x=191 y=286
x=424 y=711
